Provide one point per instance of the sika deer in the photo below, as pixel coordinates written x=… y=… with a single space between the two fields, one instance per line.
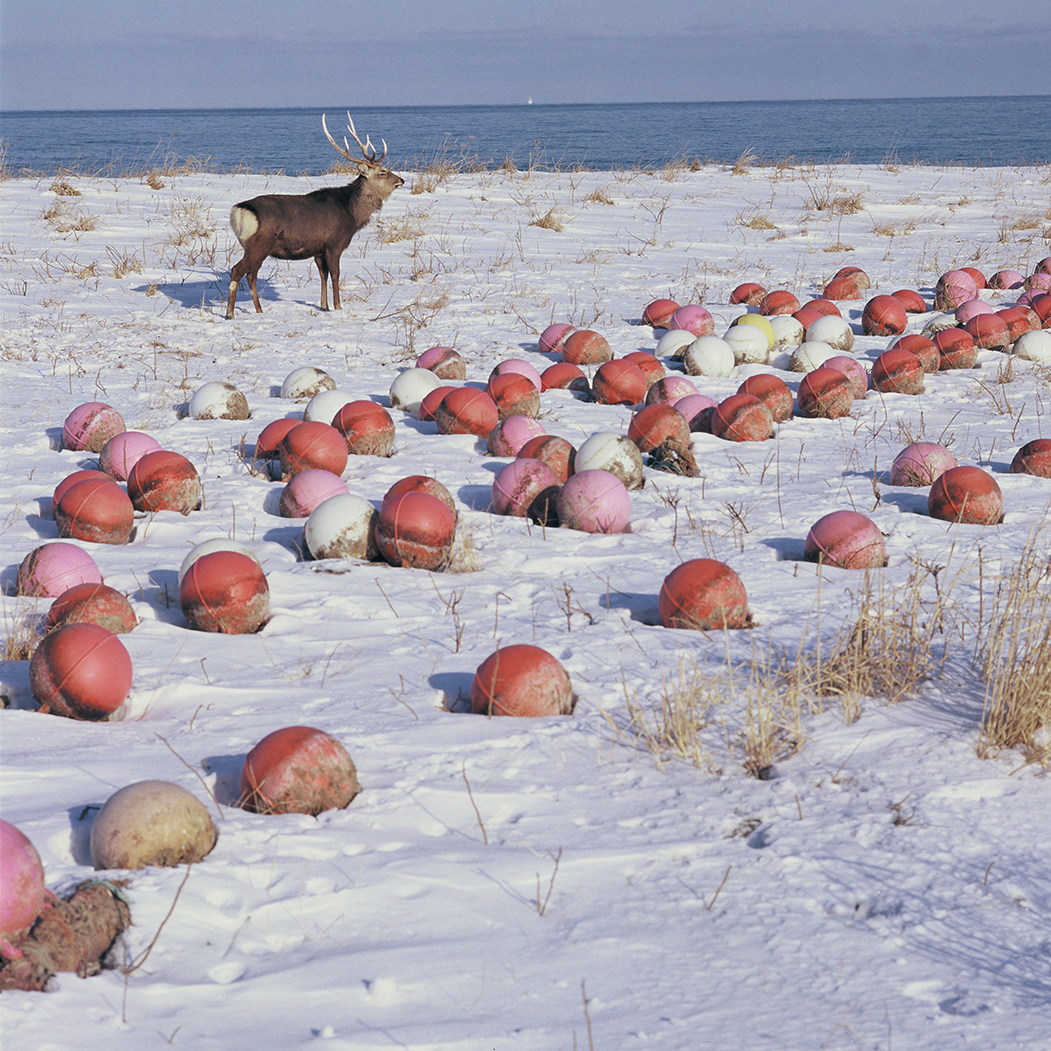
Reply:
x=317 y=225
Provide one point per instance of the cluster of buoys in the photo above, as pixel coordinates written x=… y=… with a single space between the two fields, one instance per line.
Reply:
x=82 y=670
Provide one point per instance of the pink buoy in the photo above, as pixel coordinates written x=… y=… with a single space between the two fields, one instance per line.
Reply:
x=444 y=362
x=22 y=892
x=521 y=680
x=306 y=490
x=519 y=366
x=120 y=454
x=526 y=488
x=972 y=308
x=594 y=501
x=920 y=464
x=668 y=390
x=1006 y=279
x=698 y=410
x=510 y=434
x=553 y=338
x=846 y=540
x=853 y=370
x=89 y=426
x=52 y=568
x=692 y=318
x=953 y=289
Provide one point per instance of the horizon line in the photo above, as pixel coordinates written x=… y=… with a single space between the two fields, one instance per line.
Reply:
x=519 y=105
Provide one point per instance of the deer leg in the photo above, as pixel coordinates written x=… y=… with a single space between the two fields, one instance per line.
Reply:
x=251 y=288
x=333 y=265
x=322 y=267
x=236 y=273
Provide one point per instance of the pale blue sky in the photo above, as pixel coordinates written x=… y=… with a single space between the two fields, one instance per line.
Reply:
x=79 y=54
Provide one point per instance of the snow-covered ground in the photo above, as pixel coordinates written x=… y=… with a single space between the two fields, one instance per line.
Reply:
x=885 y=888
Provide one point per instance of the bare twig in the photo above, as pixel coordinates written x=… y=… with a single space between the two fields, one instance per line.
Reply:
x=477 y=814
x=149 y=948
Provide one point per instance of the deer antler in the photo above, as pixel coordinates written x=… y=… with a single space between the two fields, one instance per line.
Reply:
x=368 y=150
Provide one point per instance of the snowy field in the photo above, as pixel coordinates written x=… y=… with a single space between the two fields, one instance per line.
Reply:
x=547 y=883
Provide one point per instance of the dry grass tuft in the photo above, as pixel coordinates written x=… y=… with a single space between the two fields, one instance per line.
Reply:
x=599 y=196
x=448 y=159
x=22 y=635
x=888 y=649
x=672 y=727
x=407 y=227
x=61 y=188
x=466 y=558
x=550 y=220
x=744 y=162
x=754 y=709
x=1013 y=656
x=758 y=221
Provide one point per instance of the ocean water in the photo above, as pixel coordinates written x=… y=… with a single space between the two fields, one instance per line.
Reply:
x=989 y=131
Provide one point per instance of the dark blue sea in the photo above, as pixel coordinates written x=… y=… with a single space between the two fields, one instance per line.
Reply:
x=987 y=131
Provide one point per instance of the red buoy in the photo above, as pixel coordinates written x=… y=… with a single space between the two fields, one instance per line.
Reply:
x=312 y=446
x=367 y=428
x=298 y=770
x=415 y=530
x=586 y=347
x=966 y=494
x=225 y=592
x=467 y=410
x=705 y=595
x=521 y=680
x=619 y=382
x=80 y=671
x=164 y=481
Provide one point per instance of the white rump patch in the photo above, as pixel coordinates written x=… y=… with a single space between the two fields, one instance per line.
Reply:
x=243 y=223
